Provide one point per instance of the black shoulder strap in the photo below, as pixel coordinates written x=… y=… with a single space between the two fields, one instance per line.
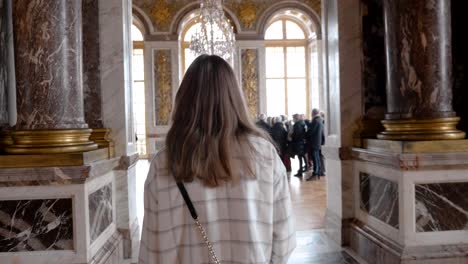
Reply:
x=188 y=202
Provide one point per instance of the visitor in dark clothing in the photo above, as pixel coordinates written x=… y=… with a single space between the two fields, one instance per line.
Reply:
x=298 y=143
x=263 y=124
x=279 y=134
x=322 y=158
x=314 y=139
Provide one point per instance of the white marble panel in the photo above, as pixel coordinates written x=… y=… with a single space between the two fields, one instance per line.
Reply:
x=78 y=194
x=350 y=54
x=157 y=132
x=414 y=238
x=260 y=46
x=387 y=174
x=116 y=80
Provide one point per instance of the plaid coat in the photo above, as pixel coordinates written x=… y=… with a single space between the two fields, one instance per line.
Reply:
x=249 y=221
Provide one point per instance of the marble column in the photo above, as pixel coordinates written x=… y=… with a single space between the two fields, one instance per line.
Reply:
x=3 y=65
x=92 y=75
x=419 y=71
x=48 y=62
x=91 y=70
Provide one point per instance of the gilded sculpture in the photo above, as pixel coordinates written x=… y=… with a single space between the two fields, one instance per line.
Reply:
x=247 y=14
x=250 y=79
x=163 y=75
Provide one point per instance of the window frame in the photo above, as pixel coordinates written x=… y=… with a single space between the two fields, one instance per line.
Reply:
x=140 y=45
x=287 y=43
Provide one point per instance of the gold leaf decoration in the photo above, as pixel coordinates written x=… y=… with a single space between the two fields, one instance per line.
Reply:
x=250 y=79
x=316 y=5
x=161 y=13
x=247 y=14
x=163 y=75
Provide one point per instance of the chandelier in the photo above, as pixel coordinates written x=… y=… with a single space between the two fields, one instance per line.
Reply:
x=215 y=36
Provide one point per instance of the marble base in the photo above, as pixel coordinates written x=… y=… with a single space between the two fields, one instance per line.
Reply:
x=111 y=252
x=374 y=248
x=57 y=222
x=410 y=207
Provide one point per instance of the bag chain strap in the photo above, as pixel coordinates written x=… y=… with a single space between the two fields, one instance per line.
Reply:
x=194 y=214
x=207 y=241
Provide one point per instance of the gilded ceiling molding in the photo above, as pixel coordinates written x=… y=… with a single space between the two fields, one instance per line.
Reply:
x=161 y=12
x=246 y=11
x=316 y=5
x=250 y=79
x=247 y=15
x=163 y=86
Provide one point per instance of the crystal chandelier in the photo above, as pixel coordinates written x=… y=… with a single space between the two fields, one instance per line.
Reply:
x=215 y=36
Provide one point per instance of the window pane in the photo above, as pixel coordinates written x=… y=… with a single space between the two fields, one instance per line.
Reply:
x=275 y=94
x=138 y=65
x=296 y=61
x=189 y=58
x=190 y=31
x=297 y=97
x=139 y=115
x=136 y=34
x=293 y=31
x=275 y=62
x=275 y=30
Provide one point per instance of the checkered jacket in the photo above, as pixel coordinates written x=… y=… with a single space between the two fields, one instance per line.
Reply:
x=248 y=221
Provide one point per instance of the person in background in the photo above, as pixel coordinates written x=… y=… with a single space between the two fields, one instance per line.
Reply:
x=322 y=158
x=279 y=134
x=287 y=153
x=298 y=143
x=226 y=165
x=314 y=137
x=261 y=123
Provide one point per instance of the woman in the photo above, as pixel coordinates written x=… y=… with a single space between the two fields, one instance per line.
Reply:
x=231 y=172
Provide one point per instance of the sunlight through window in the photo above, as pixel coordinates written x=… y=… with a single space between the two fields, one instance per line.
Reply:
x=287 y=88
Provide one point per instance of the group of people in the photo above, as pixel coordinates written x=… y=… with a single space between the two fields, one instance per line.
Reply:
x=299 y=137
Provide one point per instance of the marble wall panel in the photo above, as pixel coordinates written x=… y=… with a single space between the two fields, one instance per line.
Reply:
x=91 y=67
x=379 y=198
x=36 y=225
x=163 y=85
x=250 y=72
x=373 y=47
x=460 y=62
x=100 y=211
x=441 y=206
x=3 y=64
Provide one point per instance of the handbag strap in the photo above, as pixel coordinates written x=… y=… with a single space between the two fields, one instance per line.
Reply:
x=194 y=214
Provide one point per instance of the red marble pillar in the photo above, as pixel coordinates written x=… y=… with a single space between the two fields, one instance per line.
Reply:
x=419 y=71
x=48 y=63
x=3 y=65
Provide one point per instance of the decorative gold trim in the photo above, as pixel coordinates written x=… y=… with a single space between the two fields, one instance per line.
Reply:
x=100 y=136
x=424 y=129
x=5 y=140
x=247 y=13
x=51 y=141
x=403 y=147
x=250 y=79
x=163 y=86
x=53 y=160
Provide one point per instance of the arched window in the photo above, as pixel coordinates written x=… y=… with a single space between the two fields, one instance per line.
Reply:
x=187 y=56
x=287 y=71
x=138 y=90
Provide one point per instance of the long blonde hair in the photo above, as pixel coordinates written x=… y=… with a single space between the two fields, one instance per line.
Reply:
x=210 y=126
